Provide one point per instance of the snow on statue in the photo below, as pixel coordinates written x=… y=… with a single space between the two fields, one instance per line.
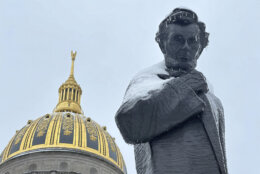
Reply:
x=175 y=123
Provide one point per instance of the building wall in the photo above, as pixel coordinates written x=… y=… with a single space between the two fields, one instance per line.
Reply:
x=58 y=161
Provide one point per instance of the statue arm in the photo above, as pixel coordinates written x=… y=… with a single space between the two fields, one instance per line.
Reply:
x=163 y=110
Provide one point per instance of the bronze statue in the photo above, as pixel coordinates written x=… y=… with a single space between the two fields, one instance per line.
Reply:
x=174 y=121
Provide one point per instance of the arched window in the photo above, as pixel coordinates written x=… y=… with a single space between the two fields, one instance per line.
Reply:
x=53 y=172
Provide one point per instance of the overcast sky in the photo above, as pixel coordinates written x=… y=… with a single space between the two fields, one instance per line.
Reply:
x=114 y=40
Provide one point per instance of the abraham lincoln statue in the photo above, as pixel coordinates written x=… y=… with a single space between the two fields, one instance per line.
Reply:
x=174 y=121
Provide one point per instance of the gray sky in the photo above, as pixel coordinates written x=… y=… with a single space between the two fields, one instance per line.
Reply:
x=114 y=40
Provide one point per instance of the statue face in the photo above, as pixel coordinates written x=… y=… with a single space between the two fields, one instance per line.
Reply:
x=181 y=47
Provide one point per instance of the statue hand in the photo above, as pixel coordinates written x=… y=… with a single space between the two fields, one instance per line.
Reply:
x=196 y=81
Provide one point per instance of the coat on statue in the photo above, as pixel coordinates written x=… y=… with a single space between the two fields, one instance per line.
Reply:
x=174 y=130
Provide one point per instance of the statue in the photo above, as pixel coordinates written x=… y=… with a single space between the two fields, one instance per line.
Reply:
x=73 y=55
x=174 y=121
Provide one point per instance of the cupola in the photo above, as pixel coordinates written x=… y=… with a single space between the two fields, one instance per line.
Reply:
x=70 y=93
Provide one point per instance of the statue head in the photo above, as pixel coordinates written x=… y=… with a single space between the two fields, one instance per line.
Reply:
x=182 y=39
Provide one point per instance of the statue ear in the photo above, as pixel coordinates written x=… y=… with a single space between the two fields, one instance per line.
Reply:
x=162 y=46
x=199 y=52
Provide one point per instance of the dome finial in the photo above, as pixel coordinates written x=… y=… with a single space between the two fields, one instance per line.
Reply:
x=70 y=93
x=73 y=57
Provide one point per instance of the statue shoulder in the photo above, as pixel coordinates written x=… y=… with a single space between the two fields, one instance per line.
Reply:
x=158 y=68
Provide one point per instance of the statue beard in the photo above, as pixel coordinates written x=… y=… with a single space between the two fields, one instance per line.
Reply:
x=177 y=72
x=180 y=68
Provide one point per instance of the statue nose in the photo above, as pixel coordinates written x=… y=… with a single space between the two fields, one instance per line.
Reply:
x=185 y=45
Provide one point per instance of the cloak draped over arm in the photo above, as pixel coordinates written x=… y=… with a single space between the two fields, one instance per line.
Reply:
x=164 y=105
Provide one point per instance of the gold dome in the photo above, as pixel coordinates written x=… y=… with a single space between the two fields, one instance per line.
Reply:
x=66 y=129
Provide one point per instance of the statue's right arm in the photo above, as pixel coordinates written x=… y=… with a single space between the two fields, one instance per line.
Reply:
x=162 y=111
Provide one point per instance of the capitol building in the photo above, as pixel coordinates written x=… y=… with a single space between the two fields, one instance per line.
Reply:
x=63 y=142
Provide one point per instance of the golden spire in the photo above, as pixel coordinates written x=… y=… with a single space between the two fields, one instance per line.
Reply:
x=70 y=93
x=73 y=57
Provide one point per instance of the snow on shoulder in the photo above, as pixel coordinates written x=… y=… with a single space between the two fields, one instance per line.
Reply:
x=144 y=83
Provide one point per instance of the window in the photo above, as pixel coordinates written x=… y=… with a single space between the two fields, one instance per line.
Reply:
x=73 y=94
x=77 y=96
x=66 y=93
x=62 y=93
x=70 y=94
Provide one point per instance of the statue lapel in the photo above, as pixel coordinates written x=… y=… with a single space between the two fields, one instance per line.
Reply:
x=211 y=129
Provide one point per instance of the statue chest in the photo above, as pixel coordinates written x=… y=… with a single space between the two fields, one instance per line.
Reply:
x=184 y=149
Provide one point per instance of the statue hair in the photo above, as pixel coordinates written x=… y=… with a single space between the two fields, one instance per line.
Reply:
x=182 y=16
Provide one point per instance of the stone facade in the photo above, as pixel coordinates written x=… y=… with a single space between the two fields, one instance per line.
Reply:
x=58 y=163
